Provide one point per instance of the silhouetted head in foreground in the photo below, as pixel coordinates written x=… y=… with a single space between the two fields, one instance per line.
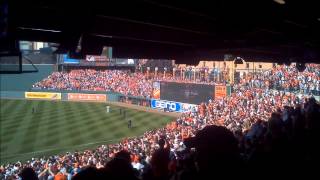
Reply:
x=88 y=173
x=216 y=150
x=28 y=174
x=120 y=167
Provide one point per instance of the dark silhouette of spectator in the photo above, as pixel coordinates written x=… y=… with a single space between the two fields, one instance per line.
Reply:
x=160 y=162
x=28 y=174
x=120 y=167
x=187 y=168
x=89 y=173
x=312 y=131
x=217 y=152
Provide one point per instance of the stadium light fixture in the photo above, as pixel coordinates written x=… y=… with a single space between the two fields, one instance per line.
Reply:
x=79 y=45
x=238 y=60
x=282 y=2
x=37 y=29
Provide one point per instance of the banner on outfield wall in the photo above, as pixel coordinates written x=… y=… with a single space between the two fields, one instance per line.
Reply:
x=172 y=106
x=220 y=91
x=169 y=105
x=42 y=95
x=188 y=107
x=156 y=90
x=87 y=97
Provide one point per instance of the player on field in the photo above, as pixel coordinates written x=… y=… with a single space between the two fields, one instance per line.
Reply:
x=130 y=124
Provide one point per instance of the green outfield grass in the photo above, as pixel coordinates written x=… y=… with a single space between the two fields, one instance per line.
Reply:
x=57 y=127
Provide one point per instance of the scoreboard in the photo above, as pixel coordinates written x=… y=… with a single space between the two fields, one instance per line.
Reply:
x=186 y=92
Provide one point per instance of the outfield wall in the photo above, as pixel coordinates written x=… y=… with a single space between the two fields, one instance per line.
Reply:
x=111 y=96
x=12 y=94
x=98 y=97
x=171 y=106
x=67 y=95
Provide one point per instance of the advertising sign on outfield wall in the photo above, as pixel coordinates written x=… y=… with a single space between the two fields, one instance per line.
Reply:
x=188 y=107
x=43 y=95
x=87 y=97
x=156 y=90
x=169 y=105
x=172 y=106
x=220 y=91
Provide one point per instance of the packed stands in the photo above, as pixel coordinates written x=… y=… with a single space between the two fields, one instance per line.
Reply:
x=135 y=84
x=255 y=127
x=288 y=78
x=284 y=78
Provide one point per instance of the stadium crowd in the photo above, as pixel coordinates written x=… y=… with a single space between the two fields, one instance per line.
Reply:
x=255 y=128
x=288 y=78
x=134 y=84
x=282 y=77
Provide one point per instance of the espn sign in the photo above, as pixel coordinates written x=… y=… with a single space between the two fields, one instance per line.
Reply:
x=162 y=104
x=87 y=97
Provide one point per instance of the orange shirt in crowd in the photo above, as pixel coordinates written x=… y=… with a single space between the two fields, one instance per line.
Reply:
x=60 y=176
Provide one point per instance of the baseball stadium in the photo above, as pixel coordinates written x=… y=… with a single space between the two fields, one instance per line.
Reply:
x=74 y=106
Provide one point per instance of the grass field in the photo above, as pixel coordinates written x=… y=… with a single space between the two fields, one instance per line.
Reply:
x=58 y=127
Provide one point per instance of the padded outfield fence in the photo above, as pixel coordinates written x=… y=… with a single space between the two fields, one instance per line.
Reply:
x=66 y=96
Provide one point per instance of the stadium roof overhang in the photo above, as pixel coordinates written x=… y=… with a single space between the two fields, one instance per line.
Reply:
x=187 y=31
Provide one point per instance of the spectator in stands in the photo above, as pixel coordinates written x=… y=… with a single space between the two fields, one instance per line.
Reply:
x=217 y=152
x=90 y=173
x=159 y=162
x=28 y=174
x=120 y=167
